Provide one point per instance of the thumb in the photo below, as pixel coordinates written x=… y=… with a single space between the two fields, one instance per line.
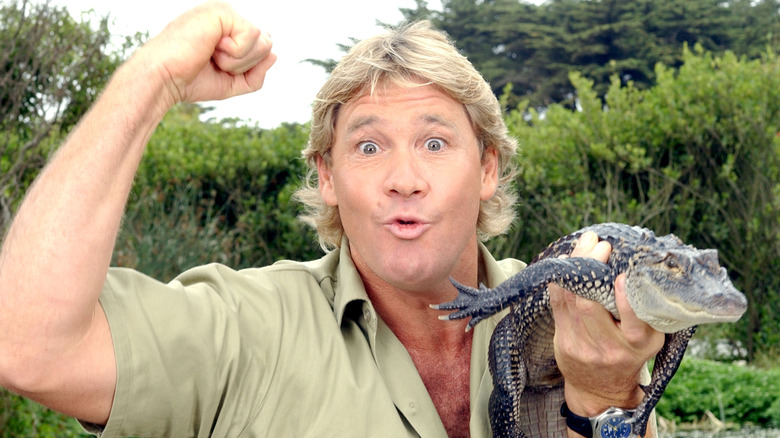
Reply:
x=636 y=332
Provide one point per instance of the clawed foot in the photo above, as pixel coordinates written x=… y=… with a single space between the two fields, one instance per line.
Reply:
x=470 y=302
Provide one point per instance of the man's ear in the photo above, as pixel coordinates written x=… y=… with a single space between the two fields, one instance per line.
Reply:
x=489 y=174
x=325 y=181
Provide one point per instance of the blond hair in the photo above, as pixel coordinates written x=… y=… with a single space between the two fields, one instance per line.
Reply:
x=405 y=56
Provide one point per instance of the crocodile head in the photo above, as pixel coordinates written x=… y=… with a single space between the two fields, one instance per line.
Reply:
x=673 y=289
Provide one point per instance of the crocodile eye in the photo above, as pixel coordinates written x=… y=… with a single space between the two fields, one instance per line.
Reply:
x=671 y=262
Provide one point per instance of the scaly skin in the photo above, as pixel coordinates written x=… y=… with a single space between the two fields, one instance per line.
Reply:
x=671 y=286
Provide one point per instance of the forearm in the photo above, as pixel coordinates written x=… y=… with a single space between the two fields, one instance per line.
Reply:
x=600 y=391
x=589 y=404
x=55 y=257
x=602 y=359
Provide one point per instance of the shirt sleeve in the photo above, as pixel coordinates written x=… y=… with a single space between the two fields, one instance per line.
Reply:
x=180 y=361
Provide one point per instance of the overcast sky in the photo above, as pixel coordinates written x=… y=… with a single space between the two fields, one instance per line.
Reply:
x=301 y=29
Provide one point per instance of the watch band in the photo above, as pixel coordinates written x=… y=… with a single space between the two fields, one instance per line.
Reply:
x=611 y=421
x=579 y=424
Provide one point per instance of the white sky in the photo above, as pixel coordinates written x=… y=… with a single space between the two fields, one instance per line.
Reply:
x=300 y=29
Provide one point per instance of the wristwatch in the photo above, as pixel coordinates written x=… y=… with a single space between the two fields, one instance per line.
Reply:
x=608 y=424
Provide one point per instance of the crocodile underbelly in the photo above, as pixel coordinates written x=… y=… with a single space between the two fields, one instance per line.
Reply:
x=539 y=355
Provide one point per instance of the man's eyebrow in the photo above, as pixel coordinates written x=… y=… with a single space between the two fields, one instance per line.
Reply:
x=424 y=119
x=433 y=119
x=360 y=122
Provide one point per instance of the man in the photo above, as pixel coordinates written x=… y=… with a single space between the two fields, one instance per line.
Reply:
x=411 y=174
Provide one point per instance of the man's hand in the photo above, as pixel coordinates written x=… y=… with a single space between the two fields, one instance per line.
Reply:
x=209 y=53
x=600 y=358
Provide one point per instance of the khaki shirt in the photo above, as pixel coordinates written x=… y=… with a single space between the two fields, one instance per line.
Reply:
x=293 y=349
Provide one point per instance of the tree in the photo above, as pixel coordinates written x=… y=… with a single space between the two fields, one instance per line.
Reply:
x=535 y=47
x=51 y=69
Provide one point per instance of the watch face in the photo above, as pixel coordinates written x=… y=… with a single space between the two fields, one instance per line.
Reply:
x=615 y=427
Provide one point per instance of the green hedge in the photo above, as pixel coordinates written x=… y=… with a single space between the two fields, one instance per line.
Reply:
x=738 y=394
x=215 y=191
x=20 y=417
x=697 y=155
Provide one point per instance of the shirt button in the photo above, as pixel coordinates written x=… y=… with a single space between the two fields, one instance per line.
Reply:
x=367 y=314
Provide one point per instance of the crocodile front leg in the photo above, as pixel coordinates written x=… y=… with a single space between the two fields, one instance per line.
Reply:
x=584 y=276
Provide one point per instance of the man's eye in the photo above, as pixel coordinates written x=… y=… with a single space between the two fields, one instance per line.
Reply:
x=434 y=144
x=368 y=148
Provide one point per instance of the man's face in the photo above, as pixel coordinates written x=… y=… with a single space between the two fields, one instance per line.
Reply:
x=406 y=174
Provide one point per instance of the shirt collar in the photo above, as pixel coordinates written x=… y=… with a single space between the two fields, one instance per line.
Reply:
x=351 y=300
x=348 y=287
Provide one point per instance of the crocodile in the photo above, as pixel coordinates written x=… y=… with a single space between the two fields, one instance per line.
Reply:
x=671 y=286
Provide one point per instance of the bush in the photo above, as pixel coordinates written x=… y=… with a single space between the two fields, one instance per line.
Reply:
x=20 y=417
x=733 y=393
x=215 y=191
x=697 y=155
x=164 y=236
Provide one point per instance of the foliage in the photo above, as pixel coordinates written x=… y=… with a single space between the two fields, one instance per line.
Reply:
x=535 y=46
x=51 y=69
x=20 y=417
x=222 y=190
x=164 y=235
x=733 y=393
x=697 y=155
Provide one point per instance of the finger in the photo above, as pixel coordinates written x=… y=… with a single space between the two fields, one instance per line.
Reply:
x=589 y=246
x=568 y=305
x=237 y=54
x=255 y=77
x=569 y=314
x=585 y=244
x=601 y=251
x=636 y=331
x=561 y=301
x=240 y=41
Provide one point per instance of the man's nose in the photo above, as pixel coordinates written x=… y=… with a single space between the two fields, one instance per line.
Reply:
x=404 y=173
